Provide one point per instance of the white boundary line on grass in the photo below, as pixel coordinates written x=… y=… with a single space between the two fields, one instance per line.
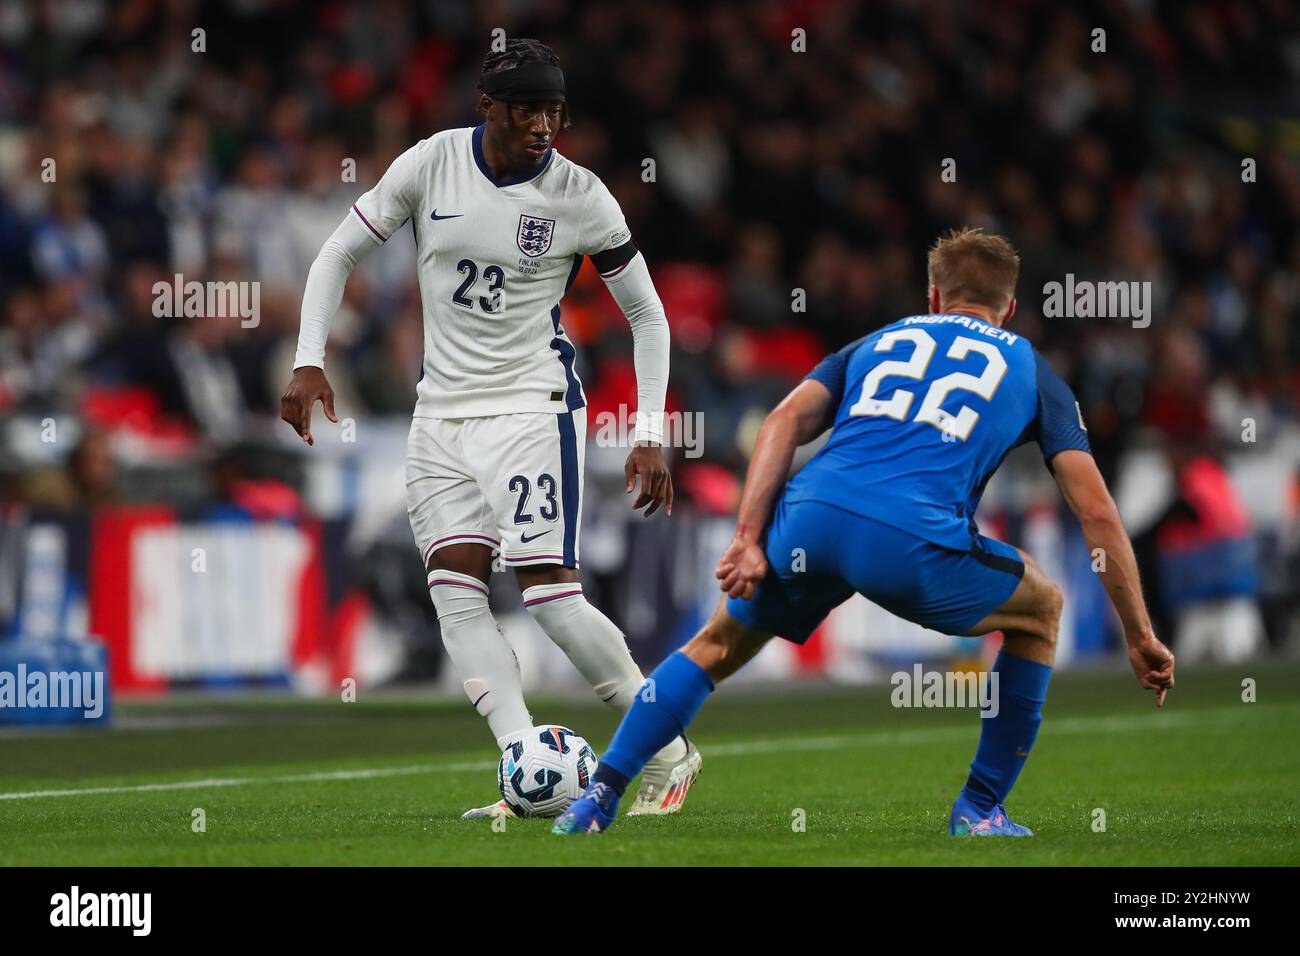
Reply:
x=316 y=777
x=1066 y=725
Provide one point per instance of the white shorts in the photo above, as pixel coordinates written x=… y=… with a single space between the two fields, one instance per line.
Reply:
x=512 y=482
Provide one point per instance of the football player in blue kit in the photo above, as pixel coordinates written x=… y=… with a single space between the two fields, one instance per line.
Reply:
x=921 y=413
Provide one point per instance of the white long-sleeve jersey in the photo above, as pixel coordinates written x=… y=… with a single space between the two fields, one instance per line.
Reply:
x=494 y=259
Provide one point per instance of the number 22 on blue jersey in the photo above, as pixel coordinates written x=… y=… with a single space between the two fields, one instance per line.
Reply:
x=899 y=403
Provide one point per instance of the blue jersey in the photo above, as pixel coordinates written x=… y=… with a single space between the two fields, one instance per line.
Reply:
x=926 y=410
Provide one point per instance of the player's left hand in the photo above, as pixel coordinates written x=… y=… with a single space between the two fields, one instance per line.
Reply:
x=742 y=566
x=1154 y=665
x=647 y=463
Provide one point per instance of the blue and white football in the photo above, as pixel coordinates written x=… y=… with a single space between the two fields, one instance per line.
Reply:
x=544 y=770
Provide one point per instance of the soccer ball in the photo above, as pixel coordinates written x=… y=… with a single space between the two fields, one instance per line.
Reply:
x=544 y=770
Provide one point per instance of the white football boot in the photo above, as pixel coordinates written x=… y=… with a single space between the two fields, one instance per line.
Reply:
x=664 y=783
x=491 y=811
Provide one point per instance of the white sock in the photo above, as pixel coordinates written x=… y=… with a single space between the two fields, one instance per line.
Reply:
x=596 y=647
x=481 y=656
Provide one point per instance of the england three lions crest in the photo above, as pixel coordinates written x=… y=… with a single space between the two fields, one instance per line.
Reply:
x=535 y=235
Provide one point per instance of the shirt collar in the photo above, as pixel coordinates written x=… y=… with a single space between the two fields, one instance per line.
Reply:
x=486 y=170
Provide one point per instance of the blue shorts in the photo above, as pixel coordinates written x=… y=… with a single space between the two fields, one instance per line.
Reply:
x=819 y=555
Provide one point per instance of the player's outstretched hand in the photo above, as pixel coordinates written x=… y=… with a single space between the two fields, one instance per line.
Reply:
x=1154 y=665
x=647 y=462
x=742 y=566
x=307 y=386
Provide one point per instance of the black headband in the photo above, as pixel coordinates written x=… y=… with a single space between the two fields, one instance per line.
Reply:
x=529 y=83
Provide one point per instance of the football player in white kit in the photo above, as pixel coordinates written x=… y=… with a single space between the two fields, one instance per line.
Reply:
x=495 y=457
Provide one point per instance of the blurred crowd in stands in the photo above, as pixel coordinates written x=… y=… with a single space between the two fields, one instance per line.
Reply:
x=782 y=161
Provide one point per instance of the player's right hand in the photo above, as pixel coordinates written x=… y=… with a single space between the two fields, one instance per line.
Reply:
x=307 y=386
x=1154 y=665
x=742 y=566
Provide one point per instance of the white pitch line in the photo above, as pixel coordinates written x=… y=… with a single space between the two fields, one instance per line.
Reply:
x=315 y=777
x=1066 y=725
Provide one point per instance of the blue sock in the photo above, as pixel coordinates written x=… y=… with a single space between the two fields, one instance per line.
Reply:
x=662 y=710
x=1005 y=740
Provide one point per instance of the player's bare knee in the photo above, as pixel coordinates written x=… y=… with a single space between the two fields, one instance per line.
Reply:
x=1049 y=616
x=474 y=560
x=527 y=577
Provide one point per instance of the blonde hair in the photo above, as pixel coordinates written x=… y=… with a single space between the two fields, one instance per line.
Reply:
x=966 y=265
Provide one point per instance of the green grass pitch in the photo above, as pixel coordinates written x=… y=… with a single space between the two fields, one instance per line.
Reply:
x=1210 y=780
